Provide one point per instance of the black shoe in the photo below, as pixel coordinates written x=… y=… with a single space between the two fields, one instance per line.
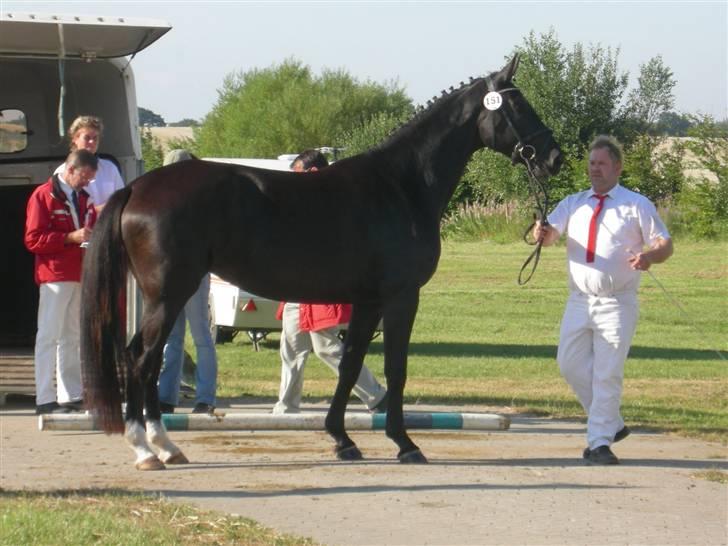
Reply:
x=166 y=408
x=621 y=435
x=50 y=407
x=381 y=407
x=75 y=406
x=602 y=455
x=201 y=407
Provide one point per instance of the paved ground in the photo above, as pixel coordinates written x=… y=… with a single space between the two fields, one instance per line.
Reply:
x=523 y=486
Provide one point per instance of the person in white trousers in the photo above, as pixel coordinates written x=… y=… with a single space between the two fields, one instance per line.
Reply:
x=59 y=218
x=317 y=332
x=296 y=346
x=607 y=230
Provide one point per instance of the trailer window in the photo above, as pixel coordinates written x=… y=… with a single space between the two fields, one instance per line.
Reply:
x=13 y=131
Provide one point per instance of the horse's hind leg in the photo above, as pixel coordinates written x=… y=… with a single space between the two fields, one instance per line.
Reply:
x=134 y=432
x=399 y=316
x=358 y=336
x=142 y=391
x=169 y=453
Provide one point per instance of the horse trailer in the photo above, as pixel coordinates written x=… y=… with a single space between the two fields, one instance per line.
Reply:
x=54 y=68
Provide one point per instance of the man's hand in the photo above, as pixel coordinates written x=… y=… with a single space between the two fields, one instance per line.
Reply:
x=79 y=236
x=660 y=252
x=545 y=232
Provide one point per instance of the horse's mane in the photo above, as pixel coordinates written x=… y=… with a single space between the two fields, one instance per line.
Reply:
x=423 y=111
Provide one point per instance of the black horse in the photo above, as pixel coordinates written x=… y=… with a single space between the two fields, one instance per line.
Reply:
x=365 y=230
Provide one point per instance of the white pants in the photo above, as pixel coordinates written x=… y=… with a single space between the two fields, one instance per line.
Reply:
x=596 y=333
x=295 y=348
x=57 y=343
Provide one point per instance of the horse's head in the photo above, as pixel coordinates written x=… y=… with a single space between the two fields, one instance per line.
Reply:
x=509 y=124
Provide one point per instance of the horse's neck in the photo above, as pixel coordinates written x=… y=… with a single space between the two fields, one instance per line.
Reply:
x=434 y=150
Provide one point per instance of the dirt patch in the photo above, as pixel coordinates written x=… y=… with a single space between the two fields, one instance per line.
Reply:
x=527 y=485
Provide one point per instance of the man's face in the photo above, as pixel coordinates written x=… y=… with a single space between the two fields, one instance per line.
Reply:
x=86 y=139
x=78 y=177
x=603 y=170
x=298 y=167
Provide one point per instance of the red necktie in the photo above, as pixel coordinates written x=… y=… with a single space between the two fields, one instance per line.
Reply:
x=592 y=244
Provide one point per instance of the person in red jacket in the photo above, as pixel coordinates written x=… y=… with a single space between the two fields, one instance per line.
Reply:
x=59 y=219
x=308 y=327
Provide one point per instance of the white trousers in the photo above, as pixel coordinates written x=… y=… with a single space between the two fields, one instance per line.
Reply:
x=596 y=333
x=57 y=343
x=295 y=348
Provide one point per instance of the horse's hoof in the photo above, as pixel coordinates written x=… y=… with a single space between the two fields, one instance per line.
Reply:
x=177 y=458
x=350 y=453
x=412 y=457
x=151 y=463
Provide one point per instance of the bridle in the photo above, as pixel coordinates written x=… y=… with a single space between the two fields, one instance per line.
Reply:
x=527 y=152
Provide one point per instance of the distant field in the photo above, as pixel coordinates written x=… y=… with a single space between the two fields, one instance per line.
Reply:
x=165 y=134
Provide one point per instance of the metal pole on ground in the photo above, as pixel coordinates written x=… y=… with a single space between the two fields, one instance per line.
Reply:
x=296 y=421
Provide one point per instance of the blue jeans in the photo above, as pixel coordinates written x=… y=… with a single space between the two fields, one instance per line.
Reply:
x=196 y=312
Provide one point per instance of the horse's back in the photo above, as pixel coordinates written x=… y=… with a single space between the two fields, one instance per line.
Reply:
x=331 y=235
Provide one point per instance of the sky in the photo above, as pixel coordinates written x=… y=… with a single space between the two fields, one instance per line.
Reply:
x=422 y=46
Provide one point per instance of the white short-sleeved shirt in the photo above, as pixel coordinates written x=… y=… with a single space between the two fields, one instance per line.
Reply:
x=107 y=181
x=627 y=222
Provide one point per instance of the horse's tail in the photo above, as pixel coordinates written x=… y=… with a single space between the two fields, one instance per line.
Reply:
x=103 y=329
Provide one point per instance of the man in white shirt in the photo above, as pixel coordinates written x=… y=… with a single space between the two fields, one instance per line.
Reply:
x=607 y=229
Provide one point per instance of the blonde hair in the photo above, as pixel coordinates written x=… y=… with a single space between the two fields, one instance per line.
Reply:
x=609 y=143
x=84 y=122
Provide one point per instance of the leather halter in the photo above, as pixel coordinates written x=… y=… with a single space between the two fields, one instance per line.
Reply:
x=527 y=152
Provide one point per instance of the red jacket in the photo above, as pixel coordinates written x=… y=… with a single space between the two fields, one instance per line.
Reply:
x=319 y=316
x=48 y=220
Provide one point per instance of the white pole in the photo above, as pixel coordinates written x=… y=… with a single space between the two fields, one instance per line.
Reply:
x=296 y=421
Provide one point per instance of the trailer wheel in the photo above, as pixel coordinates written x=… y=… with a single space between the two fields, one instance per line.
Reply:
x=224 y=334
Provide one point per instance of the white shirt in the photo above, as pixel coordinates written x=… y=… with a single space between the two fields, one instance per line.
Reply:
x=68 y=190
x=628 y=221
x=107 y=181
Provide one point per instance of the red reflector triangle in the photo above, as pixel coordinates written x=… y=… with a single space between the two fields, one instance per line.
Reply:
x=250 y=306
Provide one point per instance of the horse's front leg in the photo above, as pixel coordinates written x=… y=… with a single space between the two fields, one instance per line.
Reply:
x=399 y=316
x=364 y=320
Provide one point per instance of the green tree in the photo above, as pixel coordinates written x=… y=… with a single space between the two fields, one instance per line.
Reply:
x=286 y=108
x=147 y=118
x=371 y=132
x=152 y=152
x=703 y=205
x=672 y=124
x=186 y=122
x=652 y=97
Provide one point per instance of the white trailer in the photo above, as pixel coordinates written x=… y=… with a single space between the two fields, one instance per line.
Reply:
x=52 y=69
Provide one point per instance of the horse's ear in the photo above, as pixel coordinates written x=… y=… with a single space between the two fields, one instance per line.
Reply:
x=511 y=67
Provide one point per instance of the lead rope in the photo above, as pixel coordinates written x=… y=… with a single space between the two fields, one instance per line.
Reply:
x=537 y=189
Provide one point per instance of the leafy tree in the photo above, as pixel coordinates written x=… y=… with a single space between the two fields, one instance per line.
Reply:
x=186 y=122
x=653 y=166
x=653 y=95
x=703 y=205
x=673 y=124
x=371 y=132
x=152 y=152
x=147 y=118
x=286 y=108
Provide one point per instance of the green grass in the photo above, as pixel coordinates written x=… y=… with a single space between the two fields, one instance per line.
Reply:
x=480 y=338
x=119 y=517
